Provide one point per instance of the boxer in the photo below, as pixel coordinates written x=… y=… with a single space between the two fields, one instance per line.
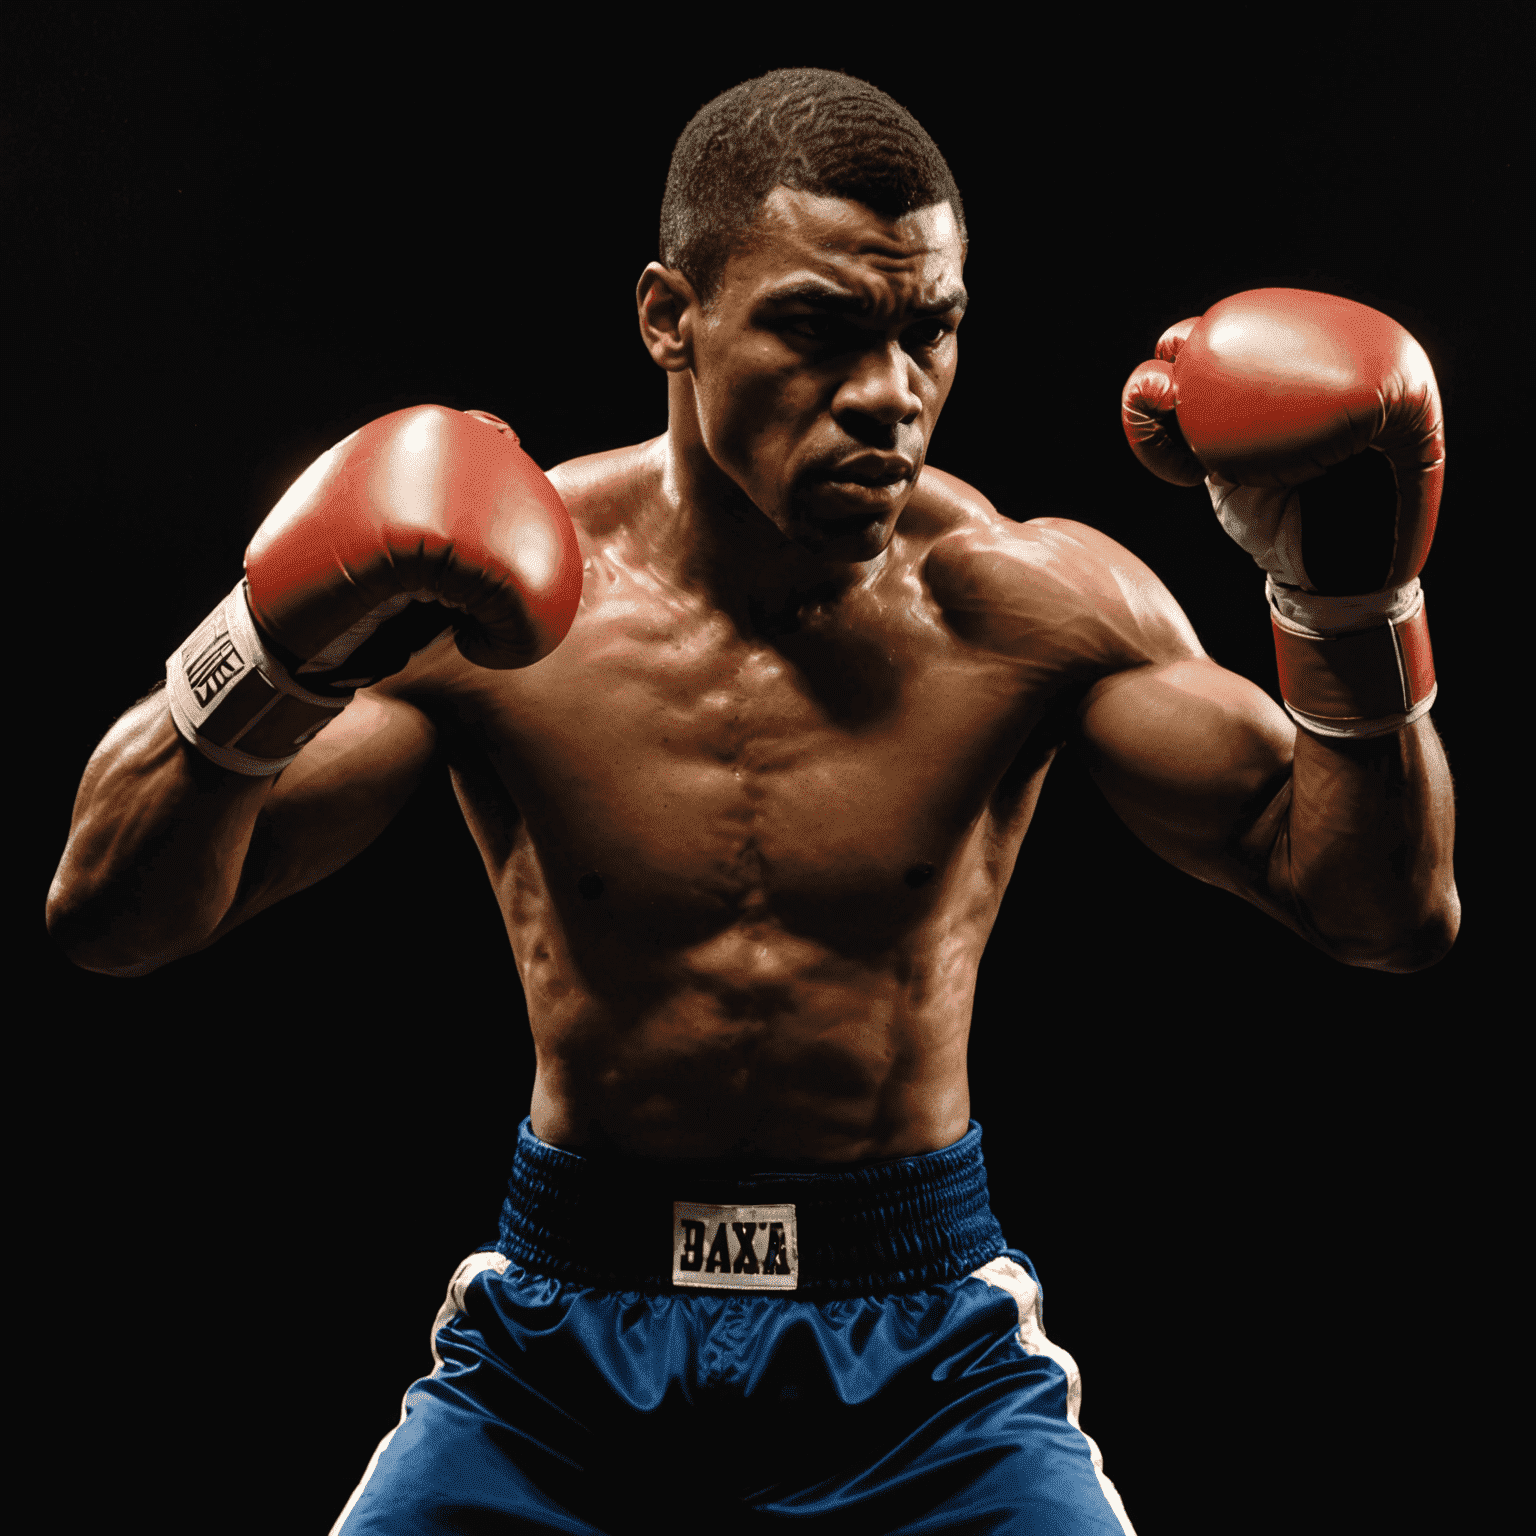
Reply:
x=748 y=722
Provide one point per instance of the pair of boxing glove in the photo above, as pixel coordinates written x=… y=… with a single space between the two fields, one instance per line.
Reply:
x=1314 y=422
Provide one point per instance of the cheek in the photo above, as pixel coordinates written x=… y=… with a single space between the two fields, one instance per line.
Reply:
x=941 y=374
x=757 y=414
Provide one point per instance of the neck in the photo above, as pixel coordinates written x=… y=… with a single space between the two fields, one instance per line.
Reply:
x=722 y=543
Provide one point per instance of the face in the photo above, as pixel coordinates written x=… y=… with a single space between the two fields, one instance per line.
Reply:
x=820 y=368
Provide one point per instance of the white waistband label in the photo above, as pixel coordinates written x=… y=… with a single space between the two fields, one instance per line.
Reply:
x=735 y=1247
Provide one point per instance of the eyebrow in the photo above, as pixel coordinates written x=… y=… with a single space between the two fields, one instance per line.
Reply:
x=839 y=301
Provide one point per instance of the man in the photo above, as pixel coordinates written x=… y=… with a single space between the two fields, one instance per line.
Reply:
x=750 y=808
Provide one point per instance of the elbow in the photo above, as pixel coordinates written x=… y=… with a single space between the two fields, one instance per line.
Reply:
x=1415 y=947
x=106 y=959
x=1423 y=951
x=92 y=941
x=83 y=943
x=66 y=924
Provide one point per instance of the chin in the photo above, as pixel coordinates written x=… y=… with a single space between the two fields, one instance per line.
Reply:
x=848 y=545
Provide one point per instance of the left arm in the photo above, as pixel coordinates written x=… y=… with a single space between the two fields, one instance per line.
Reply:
x=1315 y=423
x=1348 y=842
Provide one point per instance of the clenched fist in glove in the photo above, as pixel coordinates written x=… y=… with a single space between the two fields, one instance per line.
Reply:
x=423 y=519
x=1315 y=423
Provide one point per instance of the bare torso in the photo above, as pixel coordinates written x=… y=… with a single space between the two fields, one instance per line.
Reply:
x=749 y=864
x=751 y=820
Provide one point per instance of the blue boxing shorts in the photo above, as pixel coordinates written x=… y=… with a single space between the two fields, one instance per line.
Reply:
x=694 y=1346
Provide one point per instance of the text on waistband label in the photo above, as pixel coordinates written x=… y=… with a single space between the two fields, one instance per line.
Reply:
x=735 y=1247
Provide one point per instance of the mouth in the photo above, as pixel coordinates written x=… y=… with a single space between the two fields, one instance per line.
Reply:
x=860 y=489
x=876 y=471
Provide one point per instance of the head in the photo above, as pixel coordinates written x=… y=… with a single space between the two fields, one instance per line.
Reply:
x=806 y=302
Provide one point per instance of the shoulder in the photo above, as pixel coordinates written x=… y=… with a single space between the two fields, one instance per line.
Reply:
x=601 y=490
x=1050 y=586
x=971 y=544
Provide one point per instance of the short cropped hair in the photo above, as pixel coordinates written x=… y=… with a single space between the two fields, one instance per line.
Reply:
x=812 y=130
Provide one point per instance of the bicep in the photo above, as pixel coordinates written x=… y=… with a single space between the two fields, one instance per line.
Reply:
x=1195 y=760
x=336 y=797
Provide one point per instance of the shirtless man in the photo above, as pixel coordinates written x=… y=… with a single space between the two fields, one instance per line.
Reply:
x=750 y=810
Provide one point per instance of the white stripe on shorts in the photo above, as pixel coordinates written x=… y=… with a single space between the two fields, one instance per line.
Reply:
x=1008 y=1275
x=453 y=1304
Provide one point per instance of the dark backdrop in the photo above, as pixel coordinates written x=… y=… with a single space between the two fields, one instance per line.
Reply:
x=1257 y=1184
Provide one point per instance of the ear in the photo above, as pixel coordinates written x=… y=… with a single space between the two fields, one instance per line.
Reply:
x=668 y=309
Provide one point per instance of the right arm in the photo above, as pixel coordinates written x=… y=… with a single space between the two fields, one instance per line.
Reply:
x=167 y=852
x=211 y=800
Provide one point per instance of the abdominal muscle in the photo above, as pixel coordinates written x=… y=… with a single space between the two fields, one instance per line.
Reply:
x=759 y=1044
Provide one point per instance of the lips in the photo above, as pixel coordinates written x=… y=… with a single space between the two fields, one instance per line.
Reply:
x=876 y=470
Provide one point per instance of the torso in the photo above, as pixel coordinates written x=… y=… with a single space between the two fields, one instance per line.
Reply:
x=748 y=876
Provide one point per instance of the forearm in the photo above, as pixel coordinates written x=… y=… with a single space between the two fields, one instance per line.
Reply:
x=1362 y=855
x=156 y=846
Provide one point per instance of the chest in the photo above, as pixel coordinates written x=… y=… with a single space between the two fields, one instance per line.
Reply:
x=666 y=749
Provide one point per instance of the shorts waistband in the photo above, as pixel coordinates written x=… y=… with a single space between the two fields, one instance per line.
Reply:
x=866 y=1229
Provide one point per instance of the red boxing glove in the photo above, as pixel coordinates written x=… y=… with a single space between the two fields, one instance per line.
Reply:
x=1316 y=424
x=423 y=519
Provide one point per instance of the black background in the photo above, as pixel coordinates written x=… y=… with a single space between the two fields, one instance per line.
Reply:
x=1261 y=1188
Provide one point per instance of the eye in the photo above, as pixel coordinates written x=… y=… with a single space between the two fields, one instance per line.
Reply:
x=815 y=327
x=927 y=333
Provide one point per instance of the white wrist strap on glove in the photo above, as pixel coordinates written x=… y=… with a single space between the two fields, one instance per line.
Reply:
x=224 y=681
x=1326 y=618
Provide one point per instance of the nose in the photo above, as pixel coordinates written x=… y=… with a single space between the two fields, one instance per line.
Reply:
x=880 y=387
